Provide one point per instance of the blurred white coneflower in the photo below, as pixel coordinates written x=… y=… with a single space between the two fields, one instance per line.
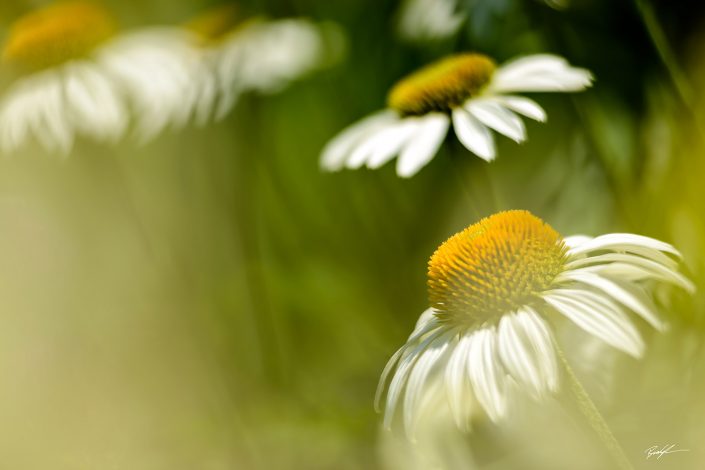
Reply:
x=62 y=91
x=468 y=90
x=428 y=20
x=491 y=288
x=78 y=76
x=256 y=54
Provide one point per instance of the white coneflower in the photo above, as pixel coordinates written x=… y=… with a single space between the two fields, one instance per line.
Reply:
x=61 y=92
x=257 y=54
x=79 y=77
x=467 y=89
x=491 y=288
x=428 y=20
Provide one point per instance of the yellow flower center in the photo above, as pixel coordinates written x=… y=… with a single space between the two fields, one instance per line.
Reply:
x=441 y=86
x=56 y=34
x=493 y=267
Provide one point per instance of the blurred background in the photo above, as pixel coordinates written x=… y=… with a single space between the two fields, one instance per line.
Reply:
x=211 y=300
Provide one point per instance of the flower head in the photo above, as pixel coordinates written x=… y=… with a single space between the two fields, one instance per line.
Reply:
x=492 y=288
x=57 y=33
x=468 y=90
x=79 y=77
x=60 y=92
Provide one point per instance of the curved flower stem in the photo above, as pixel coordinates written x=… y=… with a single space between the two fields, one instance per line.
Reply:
x=593 y=416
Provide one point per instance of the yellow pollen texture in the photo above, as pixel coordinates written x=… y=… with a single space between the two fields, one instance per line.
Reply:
x=493 y=267
x=441 y=86
x=56 y=34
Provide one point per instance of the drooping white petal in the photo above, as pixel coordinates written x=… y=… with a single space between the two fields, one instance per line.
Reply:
x=93 y=103
x=389 y=142
x=423 y=147
x=159 y=70
x=337 y=150
x=518 y=357
x=473 y=134
x=599 y=318
x=457 y=381
x=417 y=380
x=426 y=324
x=55 y=132
x=485 y=372
x=627 y=294
x=633 y=266
x=16 y=114
x=522 y=105
x=383 y=141
x=539 y=337
x=497 y=117
x=402 y=372
x=270 y=54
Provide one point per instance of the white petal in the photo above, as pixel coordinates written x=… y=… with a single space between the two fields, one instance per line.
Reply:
x=524 y=106
x=539 y=336
x=575 y=241
x=457 y=382
x=426 y=324
x=599 y=318
x=495 y=116
x=532 y=64
x=402 y=373
x=473 y=134
x=627 y=294
x=542 y=72
x=625 y=242
x=394 y=136
x=417 y=381
x=388 y=143
x=485 y=373
x=93 y=103
x=56 y=133
x=337 y=150
x=563 y=82
x=518 y=358
x=423 y=147
x=641 y=268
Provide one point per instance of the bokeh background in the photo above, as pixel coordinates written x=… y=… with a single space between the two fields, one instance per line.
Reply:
x=211 y=300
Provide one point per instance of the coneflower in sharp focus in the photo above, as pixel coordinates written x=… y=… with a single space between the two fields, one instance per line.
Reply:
x=492 y=287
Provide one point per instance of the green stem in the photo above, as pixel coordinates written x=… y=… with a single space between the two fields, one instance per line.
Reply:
x=594 y=417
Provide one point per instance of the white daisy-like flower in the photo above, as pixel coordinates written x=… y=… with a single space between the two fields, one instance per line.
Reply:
x=492 y=288
x=258 y=54
x=468 y=90
x=429 y=20
x=61 y=92
x=79 y=77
